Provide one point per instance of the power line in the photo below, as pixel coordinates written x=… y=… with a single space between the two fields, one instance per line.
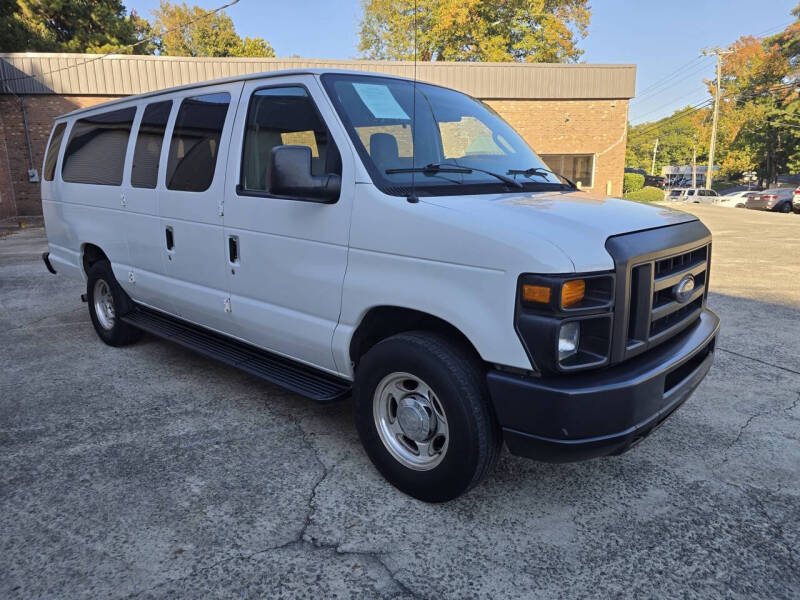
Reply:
x=129 y=46
x=671 y=80
x=675 y=72
x=698 y=107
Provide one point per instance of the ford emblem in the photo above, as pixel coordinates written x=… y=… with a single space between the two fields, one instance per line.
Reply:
x=684 y=288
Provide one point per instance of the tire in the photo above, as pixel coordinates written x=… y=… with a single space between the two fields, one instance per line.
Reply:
x=785 y=208
x=429 y=372
x=107 y=302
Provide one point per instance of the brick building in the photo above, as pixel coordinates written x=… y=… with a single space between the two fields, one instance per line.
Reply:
x=574 y=115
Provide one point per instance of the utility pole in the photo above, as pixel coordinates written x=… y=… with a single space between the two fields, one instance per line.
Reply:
x=653 y=166
x=694 y=166
x=718 y=52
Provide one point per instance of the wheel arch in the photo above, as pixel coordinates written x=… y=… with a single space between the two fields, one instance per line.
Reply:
x=381 y=322
x=90 y=254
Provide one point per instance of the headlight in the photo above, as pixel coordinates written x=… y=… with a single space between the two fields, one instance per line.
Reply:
x=568 y=339
x=564 y=320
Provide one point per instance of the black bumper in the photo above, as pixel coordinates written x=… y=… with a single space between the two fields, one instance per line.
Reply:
x=576 y=417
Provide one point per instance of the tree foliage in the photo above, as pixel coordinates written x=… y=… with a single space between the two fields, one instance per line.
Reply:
x=213 y=35
x=67 y=26
x=676 y=134
x=101 y=26
x=474 y=30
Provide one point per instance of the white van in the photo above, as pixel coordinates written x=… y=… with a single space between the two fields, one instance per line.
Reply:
x=302 y=226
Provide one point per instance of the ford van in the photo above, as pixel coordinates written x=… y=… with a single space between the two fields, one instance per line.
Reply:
x=348 y=234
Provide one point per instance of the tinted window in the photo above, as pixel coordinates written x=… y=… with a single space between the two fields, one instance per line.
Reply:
x=52 y=151
x=96 y=149
x=147 y=154
x=195 y=142
x=284 y=117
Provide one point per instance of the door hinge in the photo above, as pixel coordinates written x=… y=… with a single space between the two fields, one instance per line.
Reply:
x=131 y=277
x=220 y=207
x=123 y=201
x=227 y=305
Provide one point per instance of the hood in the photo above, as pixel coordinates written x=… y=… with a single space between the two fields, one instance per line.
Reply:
x=576 y=222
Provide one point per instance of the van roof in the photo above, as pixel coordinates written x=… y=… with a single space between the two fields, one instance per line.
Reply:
x=212 y=82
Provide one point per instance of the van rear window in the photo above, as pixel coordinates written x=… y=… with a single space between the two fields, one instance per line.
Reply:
x=96 y=150
x=195 y=142
x=144 y=172
x=52 y=151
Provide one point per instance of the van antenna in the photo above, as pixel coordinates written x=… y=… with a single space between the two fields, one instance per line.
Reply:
x=413 y=198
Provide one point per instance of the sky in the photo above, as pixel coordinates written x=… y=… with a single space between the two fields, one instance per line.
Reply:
x=663 y=39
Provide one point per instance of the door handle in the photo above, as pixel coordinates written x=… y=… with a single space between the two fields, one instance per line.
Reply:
x=233 y=249
x=170 y=239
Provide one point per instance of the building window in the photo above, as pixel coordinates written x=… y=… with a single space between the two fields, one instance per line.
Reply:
x=146 y=156
x=96 y=149
x=195 y=142
x=577 y=167
x=284 y=116
x=52 y=151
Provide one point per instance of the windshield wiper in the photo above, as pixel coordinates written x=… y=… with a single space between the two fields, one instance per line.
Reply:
x=436 y=168
x=541 y=172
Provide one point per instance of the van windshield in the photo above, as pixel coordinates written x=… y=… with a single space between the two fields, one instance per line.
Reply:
x=450 y=129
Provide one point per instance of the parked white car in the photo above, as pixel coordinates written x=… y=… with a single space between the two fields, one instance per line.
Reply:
x=694 y=195
x=301 y=226
x=735 y=199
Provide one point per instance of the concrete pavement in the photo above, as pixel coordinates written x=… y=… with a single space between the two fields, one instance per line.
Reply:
x=151 y=472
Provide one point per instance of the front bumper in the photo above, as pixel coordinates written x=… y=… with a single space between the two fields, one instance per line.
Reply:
x=577 y=417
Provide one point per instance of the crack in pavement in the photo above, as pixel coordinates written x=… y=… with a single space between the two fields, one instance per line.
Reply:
x=758 y=360
x=302 y=538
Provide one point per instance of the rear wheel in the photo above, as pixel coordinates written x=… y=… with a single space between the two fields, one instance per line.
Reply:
x=423 y=415
x=107 y=303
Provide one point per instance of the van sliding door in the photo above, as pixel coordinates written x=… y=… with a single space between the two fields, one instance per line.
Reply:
x=191 y=237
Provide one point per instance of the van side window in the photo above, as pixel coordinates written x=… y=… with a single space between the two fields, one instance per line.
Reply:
x=284 y=116
x=52 y=151
x=96 y=149
x=195 y=142
x=144 y=172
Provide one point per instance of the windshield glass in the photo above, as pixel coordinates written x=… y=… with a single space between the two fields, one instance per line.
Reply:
x=449 y=129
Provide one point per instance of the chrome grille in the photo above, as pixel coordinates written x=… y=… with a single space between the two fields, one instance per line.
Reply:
x=655 y=314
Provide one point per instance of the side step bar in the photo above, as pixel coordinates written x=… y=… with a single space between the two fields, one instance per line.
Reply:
x=281 y=371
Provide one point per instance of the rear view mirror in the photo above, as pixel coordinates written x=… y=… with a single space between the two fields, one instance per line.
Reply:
x=289 y=174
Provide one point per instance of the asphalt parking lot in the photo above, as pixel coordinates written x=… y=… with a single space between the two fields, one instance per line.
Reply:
x=151 y=472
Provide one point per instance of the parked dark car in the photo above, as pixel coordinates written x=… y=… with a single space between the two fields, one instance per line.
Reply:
x=655 y=181
x=775 y=200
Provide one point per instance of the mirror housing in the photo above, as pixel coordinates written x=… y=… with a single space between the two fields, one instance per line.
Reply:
x=289 y=175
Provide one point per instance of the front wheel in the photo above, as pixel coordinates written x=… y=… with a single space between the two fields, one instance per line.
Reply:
x=785 y=208
x=423 y=415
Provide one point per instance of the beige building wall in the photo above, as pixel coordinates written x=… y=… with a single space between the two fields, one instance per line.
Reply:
x=577 y=127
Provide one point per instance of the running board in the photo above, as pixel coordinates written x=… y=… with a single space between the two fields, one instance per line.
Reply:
x=281 y=371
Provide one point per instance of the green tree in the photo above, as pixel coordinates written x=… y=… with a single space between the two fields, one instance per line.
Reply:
x=67 y=26
x=474 y=30
x=212 y=35
x=677 y=135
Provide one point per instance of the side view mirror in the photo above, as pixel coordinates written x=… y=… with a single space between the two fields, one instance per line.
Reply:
x=289 y=174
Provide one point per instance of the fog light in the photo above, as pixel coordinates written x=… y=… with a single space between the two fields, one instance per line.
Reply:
x=568 y=338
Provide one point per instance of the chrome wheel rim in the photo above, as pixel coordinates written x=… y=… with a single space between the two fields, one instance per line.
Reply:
x=411 y=421
x=103 y=304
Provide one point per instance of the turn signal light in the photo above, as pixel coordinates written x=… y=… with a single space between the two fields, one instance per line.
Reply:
x=536 y=293
x=572 y=292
